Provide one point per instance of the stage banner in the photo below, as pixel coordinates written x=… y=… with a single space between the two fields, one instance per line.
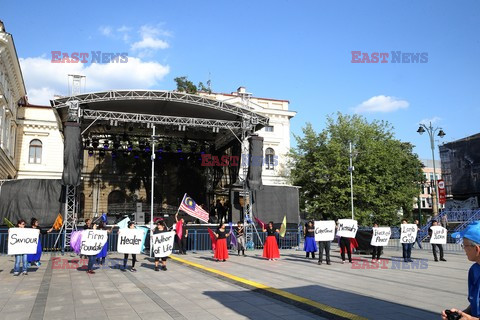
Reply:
x=408 y=233
x=163 y=244
x=130 y=241
x=442 y=194
x=380 y=236
x=93 y=241
x=347 y=228
x=439 y=235
x=324 y=230
x=22 y=240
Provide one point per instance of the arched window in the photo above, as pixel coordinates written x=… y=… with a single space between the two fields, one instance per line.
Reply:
x=35 y=152
x=116 y=202
x=269 y=159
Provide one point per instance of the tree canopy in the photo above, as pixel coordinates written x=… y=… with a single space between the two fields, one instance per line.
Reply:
x=386 y=172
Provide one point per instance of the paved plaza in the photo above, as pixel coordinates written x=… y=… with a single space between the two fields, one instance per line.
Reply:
x=196 y=287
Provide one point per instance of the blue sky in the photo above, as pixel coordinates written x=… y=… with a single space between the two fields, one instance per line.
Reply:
x=294 y=50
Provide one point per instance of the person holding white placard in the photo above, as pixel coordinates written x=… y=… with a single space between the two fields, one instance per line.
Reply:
x=377 y=250
x=20 y=257
x=407 y=248
x=34 y=259
x=131 y=225
x=160 y=229
x=102 y=254
x=435 y=245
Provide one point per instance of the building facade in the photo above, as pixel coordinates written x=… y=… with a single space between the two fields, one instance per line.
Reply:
x=425 y=199
x=12 y=97
x=276 y=144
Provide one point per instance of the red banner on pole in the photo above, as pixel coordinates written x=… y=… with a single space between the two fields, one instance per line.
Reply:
x=442 y=194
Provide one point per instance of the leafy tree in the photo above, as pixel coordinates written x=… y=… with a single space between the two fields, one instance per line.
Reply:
x=385 y=179
x=185 y=85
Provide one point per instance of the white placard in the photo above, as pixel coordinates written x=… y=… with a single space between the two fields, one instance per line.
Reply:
x=439 y=235
x=380 y=236
x=408 y=233
x=347 y=228
x=163 y=244
x=22 y=240
x=130 y=241
x=93 y=241
x=324 y=230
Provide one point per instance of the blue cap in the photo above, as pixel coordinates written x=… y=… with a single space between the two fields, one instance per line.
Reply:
x=471 y=232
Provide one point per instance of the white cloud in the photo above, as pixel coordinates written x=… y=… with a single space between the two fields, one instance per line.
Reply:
x=432 y=120
x=44 y=79
x=106 y=30
x=150 y=41
x=381 y=103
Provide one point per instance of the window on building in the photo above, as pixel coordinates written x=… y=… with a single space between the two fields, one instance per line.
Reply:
x=423 y=189
x=269 y=129
x=424 y=204
x=35 y=152
x=269 y=159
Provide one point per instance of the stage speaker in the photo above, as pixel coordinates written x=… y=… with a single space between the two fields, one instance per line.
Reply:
x=255 y=163
x=140 y=217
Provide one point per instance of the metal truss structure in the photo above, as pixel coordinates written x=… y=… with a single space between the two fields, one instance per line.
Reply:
x=154 y=95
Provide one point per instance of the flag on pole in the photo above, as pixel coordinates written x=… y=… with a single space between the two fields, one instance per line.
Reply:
x=260 y=222
x=58 y=222
x=212 y=238
x=189 y=206
x=8 y=223
x=283 y=227
x=179 y=229
x=233 y=240
x=124 y=223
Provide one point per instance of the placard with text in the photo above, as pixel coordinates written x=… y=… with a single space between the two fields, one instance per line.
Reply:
x=439 y=235
x=130 y=241
x=163 y=244
x=324 y=230
x=22 y=240
x=93 y=241
x=408 y=233
x=380 y=236
x=347 y=228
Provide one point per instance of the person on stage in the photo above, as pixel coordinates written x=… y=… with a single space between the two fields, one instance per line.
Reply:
x=131 y=225
x=270 y=248
x=377 y=250
x=240 y=231
x=160 y=229
x=221 y=251
x=20 y=257
x=34 y=259
x=434 y=246
x=102 y=254
x=309 y=246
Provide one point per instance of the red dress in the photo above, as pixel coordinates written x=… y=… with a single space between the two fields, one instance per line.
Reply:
x=270 y=248
x=221 y=250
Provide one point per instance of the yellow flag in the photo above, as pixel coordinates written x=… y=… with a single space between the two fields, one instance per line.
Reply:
x=58 y=222
x=283 y=227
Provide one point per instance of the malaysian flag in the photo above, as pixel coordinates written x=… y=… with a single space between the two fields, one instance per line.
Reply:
x=189 y=206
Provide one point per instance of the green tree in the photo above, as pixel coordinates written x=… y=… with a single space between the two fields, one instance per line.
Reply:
x=385 y=180
x=185 y=85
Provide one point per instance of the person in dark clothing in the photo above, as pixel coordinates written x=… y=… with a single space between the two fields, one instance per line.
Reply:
x=159 y=229
x=228 y=211
x=270 y=247
x=406 y=248
x=377 y=250
x=220 y=212
x=212 y=215
x=240 y=231
x=103 y=253
x=435 y=246
x=418 y=240
x=34 y=259
x=91 y=258
x=310 y=246
x=131 y=225
x=221 y=250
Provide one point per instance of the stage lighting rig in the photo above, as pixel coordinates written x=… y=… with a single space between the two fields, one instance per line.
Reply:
x=90 y=151
x=95 y=143
x=101 y=153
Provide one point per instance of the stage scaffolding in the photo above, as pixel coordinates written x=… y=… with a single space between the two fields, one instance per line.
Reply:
x=242 y=123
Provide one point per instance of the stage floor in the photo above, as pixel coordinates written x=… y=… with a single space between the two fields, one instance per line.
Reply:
x=196 y=287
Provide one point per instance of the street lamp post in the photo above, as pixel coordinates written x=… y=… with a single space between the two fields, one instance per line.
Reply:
x=431 y=132
x=351 y=168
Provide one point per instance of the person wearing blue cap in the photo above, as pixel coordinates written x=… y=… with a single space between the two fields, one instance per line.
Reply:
x=471 y=245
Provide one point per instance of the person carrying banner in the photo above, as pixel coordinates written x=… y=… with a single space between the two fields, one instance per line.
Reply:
x=406 y=248
x=102 y=254
x=309 y=246
x=91 y=258
x=181 y=234
x=377 y=250
x=270 y=248
x=240 y=238
x=160 y=229
x=471 y=245
x=131 y=225
x=435 y=245
x=23 y=258
x=221 y=250
x=34 y=259
x=418 y=240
